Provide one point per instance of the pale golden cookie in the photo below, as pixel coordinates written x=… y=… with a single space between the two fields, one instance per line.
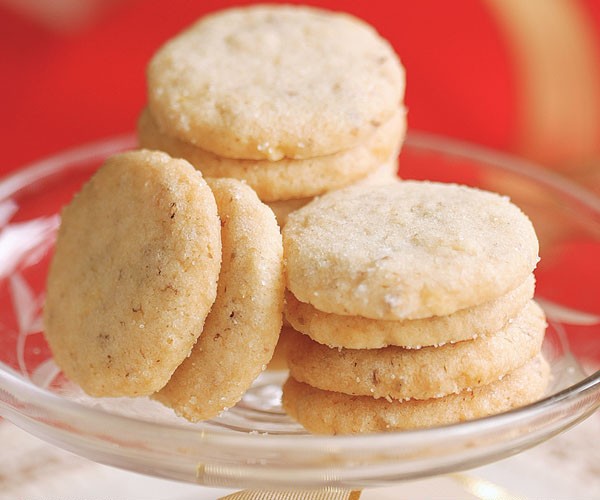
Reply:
x=272 y=82
x=287 y=179
x=242 y=329
x=134 y=274
x=388 y=172
x=326 y=412
x=407 y=250
x=356 y=332
x=431 y=372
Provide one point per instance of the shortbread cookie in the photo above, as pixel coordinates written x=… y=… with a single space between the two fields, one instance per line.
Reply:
x=388 y=172
x=407 y=250
x=273 y=82
x=242 y=329
x=356 y=332
x=134 y=274
x=326 y=412
x=431 y=372
x=287 y=179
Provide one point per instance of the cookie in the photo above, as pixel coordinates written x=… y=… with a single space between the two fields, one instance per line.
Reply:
x=287 y=179
x=431 y=372
x=326 y=412
x=257 y=82
x=134 y=274
x=356 y=332
x=407 y=250
x=242 y=329
x=384 y=174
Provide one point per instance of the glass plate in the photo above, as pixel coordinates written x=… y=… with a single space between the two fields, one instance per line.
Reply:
x=255 y=444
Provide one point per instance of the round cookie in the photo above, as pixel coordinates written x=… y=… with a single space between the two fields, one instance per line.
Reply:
x=326 y=412
x=356 y=332
x=287 y=179
x=388 y=172
x=134 y=274
x=407 y=250
x=257 y=82
x=431 y=372
x=242 y=329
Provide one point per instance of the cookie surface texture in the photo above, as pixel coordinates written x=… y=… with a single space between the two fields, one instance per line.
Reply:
x=256 y=82
x=242 y=329
x=356 y=332
x=431 y=372
x=407 y=250
x=326 y=412
x=288 y=179
x=134 y=274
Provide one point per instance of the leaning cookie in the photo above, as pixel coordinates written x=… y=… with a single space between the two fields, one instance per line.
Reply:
x=407 y=250
x=431 y=372
x=134 y=274
x=287 y=178
x=356 y=332
x=327 y=412
x=257 y=82
x=242 y=329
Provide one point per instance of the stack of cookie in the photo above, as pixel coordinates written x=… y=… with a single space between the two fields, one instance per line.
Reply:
x=410 y=302
x=294 y=101
x=414 y=311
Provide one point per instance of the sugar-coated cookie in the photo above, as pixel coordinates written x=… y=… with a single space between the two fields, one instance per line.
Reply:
x=287 y=178
x=356 y=332
x=326 y=412
x=242 y=329
x=134 y=274
x=407 y=250
x=431 y=372
x=257 y=82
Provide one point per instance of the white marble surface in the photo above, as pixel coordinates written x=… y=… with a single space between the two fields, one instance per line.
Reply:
x=565 y=468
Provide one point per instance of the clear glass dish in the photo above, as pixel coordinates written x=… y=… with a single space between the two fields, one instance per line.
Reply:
x=255 y=444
